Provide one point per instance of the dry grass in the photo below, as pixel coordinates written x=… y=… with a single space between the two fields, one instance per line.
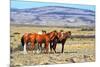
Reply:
x=76 y=50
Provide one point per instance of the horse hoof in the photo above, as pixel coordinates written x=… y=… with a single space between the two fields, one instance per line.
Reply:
x=25 y=53
x=38 y=51
x=33 y=51
x=62 y=52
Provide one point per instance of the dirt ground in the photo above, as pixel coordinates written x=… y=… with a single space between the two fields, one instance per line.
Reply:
x=76 y=50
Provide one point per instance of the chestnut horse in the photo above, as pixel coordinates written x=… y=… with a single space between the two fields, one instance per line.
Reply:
x=45 y=38
x=42 y=38
x=26 y=38
x=61 y=38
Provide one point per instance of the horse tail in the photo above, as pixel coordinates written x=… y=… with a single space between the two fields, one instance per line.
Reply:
x=22 y=41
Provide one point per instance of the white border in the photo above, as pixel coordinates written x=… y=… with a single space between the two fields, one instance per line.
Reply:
x=5 y=33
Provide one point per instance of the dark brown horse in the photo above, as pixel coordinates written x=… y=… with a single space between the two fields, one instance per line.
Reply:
x=52 y=37
x=61 y=38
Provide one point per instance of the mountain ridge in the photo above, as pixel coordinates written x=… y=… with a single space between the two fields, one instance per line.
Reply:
x=53 y=15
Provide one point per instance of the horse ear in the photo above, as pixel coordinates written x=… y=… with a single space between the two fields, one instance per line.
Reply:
x=55 y=31
x=44 y=31
x=61 y=30
x=69 y=32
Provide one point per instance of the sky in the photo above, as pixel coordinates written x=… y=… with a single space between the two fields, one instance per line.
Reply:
x=32 y=4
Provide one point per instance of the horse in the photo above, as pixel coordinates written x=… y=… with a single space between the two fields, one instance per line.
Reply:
x=26 y=38
x=45 y=38
x=61 y=38
x=53 y=38
x=42 y=38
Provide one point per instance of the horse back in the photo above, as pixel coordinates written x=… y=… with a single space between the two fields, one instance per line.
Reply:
x=42 y=38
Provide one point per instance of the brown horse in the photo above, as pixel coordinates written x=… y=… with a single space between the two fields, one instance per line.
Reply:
x=26 y=38
x=45 y=38
x=61 y=38
x=42 y=38
x=52 y=37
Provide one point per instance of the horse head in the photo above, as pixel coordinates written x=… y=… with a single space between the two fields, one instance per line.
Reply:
x=43 y=32
x=68 y=34
x=63 y=35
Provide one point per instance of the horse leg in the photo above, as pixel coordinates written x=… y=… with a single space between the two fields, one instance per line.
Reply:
x=46 y=46
x=54 y=46
x=39 y=48
x=32 y=46
x=25 y=51
x=50 y=46
x=62 y=47
x=24 y=43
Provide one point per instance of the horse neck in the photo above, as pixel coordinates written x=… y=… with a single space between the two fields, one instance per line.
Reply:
x=60 y=35
x=51 y=35
x=48 y=33
x=64 y=37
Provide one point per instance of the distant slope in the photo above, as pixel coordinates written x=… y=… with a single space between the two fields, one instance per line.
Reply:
x=53 y=16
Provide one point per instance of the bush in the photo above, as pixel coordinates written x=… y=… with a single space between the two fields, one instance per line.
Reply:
x=87 y=29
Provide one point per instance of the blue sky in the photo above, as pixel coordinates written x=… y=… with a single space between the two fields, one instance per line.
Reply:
x=31 y=4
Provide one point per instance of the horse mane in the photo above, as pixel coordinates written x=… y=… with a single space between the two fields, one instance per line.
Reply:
x=48 y=33
x=51 y=32
x=67 y=33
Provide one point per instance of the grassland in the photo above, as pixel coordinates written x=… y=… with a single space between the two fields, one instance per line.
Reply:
x=76 y=49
